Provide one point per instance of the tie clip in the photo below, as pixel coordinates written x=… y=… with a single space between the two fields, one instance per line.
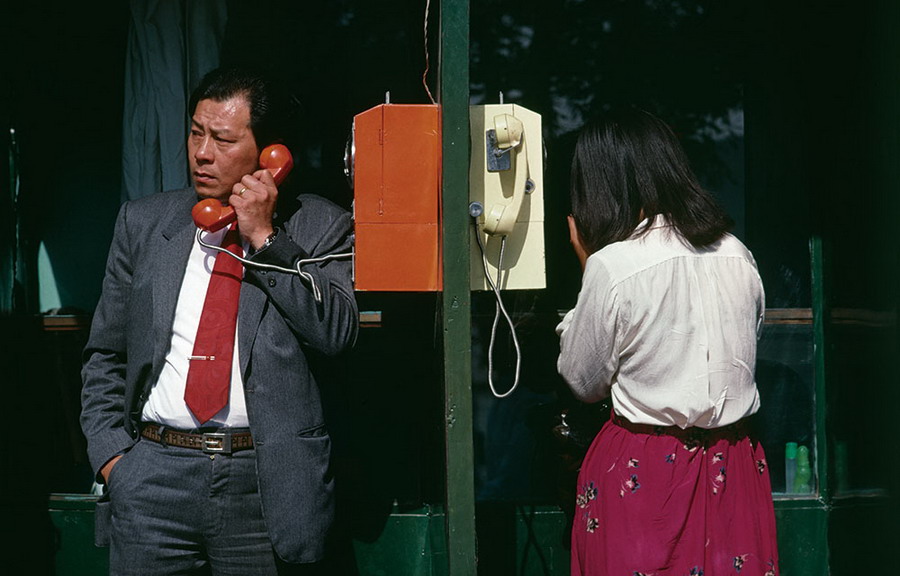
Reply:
x=201 y=357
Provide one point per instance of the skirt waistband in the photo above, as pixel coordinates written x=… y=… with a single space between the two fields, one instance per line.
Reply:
x=693 y=434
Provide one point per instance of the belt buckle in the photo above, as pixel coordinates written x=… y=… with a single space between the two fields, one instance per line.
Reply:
x=216 y=443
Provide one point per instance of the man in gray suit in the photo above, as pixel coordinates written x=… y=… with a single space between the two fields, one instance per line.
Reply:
x=247 y=490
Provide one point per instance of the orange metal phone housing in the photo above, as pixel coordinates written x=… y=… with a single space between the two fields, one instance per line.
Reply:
x=396 y=168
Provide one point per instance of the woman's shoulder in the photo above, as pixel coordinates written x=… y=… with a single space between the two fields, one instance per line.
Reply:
x=730 y=245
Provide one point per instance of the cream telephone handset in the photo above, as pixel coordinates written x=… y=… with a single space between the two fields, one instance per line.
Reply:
x=507 y=209
x=507 y=135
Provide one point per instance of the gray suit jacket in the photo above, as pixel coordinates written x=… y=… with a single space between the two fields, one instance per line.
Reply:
x=281 y=326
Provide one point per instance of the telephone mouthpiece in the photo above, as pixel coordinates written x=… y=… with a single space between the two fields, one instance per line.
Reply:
x=210 y=215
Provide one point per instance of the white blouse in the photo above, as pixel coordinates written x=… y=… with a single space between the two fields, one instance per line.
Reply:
x=668 y=331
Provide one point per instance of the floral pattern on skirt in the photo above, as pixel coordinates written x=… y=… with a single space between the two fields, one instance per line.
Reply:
x=655 y=501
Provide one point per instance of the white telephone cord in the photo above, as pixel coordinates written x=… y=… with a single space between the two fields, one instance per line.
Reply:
x=475 y=210
x=317 y=294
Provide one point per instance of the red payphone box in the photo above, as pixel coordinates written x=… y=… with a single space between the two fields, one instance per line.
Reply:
x=395 y=167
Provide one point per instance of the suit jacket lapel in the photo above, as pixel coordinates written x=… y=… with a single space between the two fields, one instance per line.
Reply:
x=177 y=239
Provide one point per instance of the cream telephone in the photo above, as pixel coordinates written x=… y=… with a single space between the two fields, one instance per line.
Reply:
x=506 y=187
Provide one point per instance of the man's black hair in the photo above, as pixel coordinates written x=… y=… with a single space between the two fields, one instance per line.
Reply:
x=273 y=112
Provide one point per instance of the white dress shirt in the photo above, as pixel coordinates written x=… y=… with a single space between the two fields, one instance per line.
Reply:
x=668 y=331
x=166 y=405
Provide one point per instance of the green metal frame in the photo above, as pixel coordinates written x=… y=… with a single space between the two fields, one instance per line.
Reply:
x=456 y=329
x=819 y=309
x=803 y=522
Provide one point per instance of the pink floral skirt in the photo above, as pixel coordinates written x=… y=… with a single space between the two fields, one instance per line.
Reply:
x=660 y=501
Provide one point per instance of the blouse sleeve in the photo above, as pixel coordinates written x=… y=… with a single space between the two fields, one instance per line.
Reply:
x=588 y=358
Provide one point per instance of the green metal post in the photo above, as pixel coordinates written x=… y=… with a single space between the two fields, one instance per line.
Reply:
x=820 y=319
x=457 y=333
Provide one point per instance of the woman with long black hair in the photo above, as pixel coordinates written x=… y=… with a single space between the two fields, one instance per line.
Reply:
x=666 y=324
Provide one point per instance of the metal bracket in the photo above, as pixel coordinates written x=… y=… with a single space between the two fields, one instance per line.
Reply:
x=497 y=159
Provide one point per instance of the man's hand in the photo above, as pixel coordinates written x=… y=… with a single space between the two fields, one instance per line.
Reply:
x=253 y=200
x=575 y=239
x=107 y=468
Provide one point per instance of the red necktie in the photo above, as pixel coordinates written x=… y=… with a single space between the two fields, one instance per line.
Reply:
x=209 y=375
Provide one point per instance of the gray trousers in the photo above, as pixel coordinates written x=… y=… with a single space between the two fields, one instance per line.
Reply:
x=181 y=511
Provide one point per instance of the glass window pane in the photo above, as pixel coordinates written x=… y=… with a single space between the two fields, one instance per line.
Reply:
x=785 y=423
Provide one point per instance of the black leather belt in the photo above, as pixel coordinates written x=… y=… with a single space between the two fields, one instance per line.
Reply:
x=208 y=442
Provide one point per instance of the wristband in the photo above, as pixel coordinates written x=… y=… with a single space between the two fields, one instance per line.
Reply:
x=269 y=240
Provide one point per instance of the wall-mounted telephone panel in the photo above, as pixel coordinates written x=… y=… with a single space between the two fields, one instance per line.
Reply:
x=394 y=163
x=506 y=179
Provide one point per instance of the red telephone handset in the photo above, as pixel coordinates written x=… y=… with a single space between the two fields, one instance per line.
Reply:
x=211 y=215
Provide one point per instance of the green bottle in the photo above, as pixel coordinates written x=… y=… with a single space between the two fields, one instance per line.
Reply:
x=804 y=472
x=790 y=466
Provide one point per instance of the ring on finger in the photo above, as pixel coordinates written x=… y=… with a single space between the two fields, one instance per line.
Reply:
x=241 y=193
